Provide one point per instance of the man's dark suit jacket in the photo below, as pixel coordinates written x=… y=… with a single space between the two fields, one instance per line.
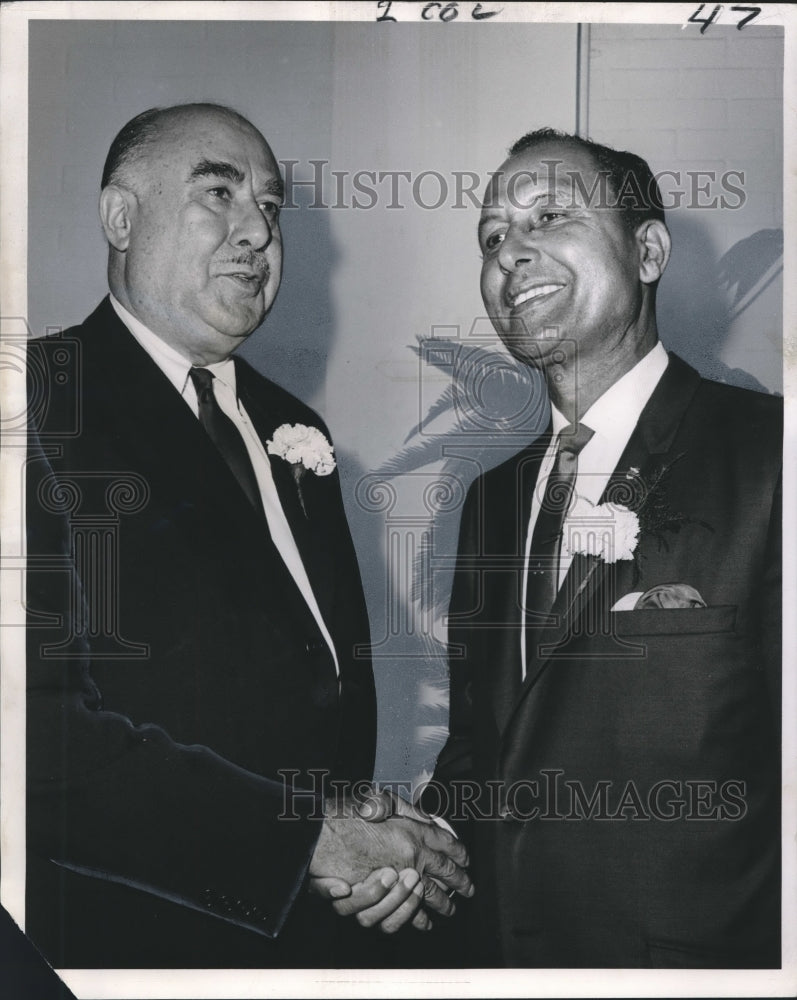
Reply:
x=624 y=715
x=173 y=670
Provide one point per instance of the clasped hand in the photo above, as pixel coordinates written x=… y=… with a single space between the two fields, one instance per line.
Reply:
x=387 y=862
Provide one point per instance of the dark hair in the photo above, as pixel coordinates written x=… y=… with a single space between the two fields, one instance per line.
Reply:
x=144 y=129
x=634 y=188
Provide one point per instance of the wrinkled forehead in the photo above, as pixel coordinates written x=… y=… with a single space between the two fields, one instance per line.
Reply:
x=213 y=137
x=547 y=170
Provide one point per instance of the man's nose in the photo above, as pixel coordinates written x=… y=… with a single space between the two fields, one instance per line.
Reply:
x=251 y=228
x=517 y=248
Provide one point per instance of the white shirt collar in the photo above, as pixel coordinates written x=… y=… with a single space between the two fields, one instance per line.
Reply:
x=622 y=404
x=170 y=361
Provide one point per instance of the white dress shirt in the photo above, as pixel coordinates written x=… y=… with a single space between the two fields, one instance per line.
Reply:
x=612 y=418
x=176 y=368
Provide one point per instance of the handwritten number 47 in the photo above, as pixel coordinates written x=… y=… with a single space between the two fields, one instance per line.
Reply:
x=704 y=22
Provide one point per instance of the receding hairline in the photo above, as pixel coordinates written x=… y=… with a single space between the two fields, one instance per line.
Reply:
x=152 y=127
x=627 y=176
x=539 y=148
x=202 y=110
x=506 y=169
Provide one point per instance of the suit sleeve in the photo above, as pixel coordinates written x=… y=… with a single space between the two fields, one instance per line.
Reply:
x=125 y=802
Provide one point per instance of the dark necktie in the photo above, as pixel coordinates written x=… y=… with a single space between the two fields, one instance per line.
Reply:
x=225 y=435
x=543 y=576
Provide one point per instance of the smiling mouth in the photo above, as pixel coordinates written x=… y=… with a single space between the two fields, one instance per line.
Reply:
x=530 y=294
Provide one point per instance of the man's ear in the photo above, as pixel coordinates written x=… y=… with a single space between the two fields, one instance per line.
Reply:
x=117 y=210
x=654 y=242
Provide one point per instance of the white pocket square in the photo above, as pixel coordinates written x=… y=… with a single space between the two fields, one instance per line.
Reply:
x=663 y=595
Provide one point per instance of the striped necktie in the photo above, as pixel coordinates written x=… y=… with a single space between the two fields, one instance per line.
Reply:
x=542 y=584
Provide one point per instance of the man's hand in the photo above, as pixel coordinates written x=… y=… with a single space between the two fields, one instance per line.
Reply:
x=351 y=848
x=386 y=898
x=379 y=804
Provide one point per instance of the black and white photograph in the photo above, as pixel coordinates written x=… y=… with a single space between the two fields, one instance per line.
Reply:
x=398 y=500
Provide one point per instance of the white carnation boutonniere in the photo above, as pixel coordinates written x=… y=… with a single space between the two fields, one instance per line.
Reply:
x=609 y=531
x=302 y=446
x=633 y=507
x=306 y=449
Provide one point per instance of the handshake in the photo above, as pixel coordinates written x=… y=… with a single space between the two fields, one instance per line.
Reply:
x=387 y=863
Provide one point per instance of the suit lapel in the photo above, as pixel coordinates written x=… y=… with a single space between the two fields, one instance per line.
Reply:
x=505 y=677
x=648 y=450
x=298 y=496
x=166 y=442
x=163 y=434
x=591 y=584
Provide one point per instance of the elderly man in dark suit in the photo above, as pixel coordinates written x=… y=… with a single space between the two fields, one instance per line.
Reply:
x=613 y=759
x=197 y=713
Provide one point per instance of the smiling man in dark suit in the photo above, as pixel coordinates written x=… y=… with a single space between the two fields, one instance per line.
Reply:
x=613 y=759
x=195 y=605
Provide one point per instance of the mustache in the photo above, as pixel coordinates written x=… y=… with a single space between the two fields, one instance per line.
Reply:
x=255 y=260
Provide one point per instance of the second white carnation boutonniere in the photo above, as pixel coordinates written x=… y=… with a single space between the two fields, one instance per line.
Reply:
x=632 y=507
x=609 y=531
x=307 y=450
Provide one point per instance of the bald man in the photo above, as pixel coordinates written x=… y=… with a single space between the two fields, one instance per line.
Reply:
x=198 y=717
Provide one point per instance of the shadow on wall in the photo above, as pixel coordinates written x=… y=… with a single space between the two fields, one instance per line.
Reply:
x=294 y=343
x=491 y=408
x=702 y=295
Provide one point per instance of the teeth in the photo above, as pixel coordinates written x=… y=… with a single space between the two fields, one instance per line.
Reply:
x=534 y=293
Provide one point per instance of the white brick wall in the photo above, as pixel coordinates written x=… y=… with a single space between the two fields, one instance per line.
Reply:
x=688 y=102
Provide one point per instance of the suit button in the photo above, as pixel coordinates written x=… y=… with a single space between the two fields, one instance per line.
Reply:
x=315 y=645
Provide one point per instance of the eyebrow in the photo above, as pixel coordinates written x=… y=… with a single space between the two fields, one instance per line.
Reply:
x=488 y=215
x=216 y=168
x=274 y=186
x=220 y=168
x=494 y=212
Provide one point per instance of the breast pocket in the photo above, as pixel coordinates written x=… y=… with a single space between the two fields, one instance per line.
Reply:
x=675 y=621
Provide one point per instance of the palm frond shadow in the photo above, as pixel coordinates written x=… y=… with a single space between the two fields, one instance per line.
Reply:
x=444 y=404
x=746 y=265
x=490 y=395
x=707 y=294
x=492 y=407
